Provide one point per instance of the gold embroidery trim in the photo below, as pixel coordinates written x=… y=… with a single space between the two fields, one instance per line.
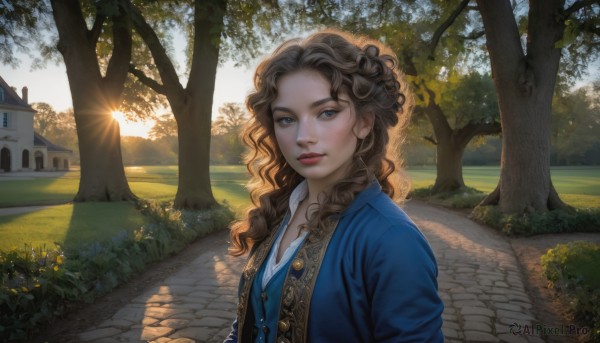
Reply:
x=248 y=274
x=297 y=292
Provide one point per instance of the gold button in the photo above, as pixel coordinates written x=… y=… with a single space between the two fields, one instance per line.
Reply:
x=283 y=325
x=297 y=264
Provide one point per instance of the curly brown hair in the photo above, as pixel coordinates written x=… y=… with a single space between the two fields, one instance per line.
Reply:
x=354 y=66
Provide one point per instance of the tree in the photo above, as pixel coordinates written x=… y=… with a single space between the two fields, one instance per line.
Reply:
x=192 y=104
x=141 y=151
x=466 y=109
x=19 y=22
x=59 y=128
x=214 y=24
x=227 y=146
x=94 y=95
x=164 y=132
x=45 y=118
x=525 y=78
x=575 y=125
x=165 y=126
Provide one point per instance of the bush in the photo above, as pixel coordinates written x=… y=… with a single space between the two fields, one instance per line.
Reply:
x=464 y=197
x=573 y=268
x=557 y=221
x=38 y=284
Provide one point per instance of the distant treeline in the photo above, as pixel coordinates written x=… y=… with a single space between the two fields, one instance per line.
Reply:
x=488 y=153
x=142 y=151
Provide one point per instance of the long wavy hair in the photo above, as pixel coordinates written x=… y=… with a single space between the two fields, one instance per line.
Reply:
x=355 y=67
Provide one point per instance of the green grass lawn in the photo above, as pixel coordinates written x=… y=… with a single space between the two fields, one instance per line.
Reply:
x=69 y=224
x=72 y=224
x=577 y=186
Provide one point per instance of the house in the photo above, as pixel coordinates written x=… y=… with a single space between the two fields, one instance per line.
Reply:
x=22 y=149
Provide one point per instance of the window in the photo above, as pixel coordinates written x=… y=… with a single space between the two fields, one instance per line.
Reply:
x=5 y=119
x=1 y=94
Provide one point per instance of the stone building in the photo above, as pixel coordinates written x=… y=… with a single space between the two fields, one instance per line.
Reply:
x=21 y=149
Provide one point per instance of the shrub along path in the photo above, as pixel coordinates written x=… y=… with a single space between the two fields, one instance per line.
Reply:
x=194 y=298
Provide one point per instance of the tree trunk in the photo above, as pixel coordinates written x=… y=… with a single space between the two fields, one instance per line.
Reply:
x=525 y=85
x=102 y=173
x=94 y=98
x=194 y=191
x=449 y=167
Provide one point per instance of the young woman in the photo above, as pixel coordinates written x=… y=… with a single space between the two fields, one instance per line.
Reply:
x=332 y=257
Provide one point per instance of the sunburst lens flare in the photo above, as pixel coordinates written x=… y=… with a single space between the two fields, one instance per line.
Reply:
x=131 y=127
x=119 y=117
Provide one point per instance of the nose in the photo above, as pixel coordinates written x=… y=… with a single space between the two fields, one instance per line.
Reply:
x=306 y=133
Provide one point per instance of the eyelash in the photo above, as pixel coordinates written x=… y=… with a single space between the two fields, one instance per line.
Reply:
x=329 y=111
x=282 y=120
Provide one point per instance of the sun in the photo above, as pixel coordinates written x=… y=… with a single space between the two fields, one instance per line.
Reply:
x=131 y=128
x=120 y=118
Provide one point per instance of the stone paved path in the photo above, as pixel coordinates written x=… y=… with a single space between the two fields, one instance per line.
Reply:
x=479 y=281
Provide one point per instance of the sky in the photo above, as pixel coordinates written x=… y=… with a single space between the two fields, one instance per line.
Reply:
x=50 y=85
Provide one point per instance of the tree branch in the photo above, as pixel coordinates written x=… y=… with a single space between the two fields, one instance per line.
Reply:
x=322 y=10
x=473 y=35
x=94 y=33
x=148 y=81
x=408 y=64
x=445 y=25
x=430 y=139
x=438 y=120
x=576 y=6
x=467 y=132
x=168 y=74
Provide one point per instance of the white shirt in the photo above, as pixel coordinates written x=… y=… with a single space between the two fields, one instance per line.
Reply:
x=272 y=266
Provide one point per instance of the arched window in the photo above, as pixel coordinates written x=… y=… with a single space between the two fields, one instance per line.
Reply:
x=39 y=160
x=25 y=159
x=5 y=159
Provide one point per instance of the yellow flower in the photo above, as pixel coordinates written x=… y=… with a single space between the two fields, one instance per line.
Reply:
x=59 y=259
x=24 y=289
x=14 y=291
x=37 y=285
x=55 y=268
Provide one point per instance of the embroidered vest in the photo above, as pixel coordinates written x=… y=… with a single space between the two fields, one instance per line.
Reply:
x=296 y=291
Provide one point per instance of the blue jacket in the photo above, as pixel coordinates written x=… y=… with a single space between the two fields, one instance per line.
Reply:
x=377 y=281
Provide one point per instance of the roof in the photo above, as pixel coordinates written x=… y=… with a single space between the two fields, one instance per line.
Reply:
x=39 y=140
x=12 y=99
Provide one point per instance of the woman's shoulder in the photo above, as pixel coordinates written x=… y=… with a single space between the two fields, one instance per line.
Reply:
x=383 y=210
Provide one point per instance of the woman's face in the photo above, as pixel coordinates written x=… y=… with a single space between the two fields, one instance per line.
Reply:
x=316 y=134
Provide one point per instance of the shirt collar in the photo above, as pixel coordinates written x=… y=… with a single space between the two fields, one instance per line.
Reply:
x=298 y=194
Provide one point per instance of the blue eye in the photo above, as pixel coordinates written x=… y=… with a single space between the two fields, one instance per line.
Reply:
x=284 y=121
x=329 y=113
